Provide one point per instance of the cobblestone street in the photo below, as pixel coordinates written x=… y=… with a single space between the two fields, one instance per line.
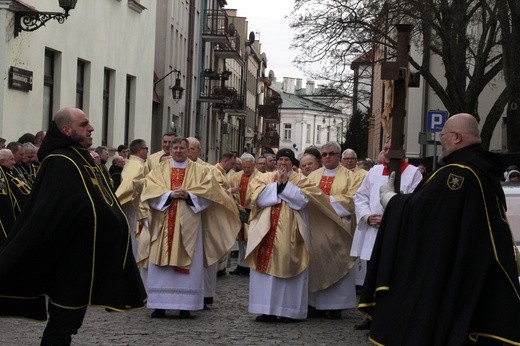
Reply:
x=228 y=322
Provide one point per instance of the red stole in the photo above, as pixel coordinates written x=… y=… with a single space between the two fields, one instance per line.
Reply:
x=265 y=248
x=176 y=180
x=326 y=184
x=386 y=169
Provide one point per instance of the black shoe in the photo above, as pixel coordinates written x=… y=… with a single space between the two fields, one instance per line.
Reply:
x=184 y=314
x=333 y=315
x=159 y=313
x=363 y=326
x=221 y=273
x=266 y=318
x=289 y=320
x=208 y=300
x=312 y=312
x=236 y=271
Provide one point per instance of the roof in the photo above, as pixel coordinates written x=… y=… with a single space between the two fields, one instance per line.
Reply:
x=292 y=101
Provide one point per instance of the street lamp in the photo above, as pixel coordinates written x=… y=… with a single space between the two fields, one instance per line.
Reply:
x=177 y=90
x=221 y=114
x=33 y=20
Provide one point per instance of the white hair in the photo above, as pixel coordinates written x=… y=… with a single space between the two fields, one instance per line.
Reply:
x=247 y=157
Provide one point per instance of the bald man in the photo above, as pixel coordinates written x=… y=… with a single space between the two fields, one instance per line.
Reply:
x=443 y=264
x=71 y=241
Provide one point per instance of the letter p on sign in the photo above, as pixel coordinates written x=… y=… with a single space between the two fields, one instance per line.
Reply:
x=435 y=120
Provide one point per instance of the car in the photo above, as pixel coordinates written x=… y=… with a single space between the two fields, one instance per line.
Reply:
x=512 y=192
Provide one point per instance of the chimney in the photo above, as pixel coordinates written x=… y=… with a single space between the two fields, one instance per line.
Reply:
x=298 y=84
x=309 y=88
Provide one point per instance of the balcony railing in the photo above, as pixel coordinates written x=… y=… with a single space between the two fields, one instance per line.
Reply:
x=220 y=30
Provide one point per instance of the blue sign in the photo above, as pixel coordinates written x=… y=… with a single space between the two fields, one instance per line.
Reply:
x=435 y=120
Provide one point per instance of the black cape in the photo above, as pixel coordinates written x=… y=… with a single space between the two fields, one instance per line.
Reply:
x=8 y=206
x=71 y=242
x=443 y=270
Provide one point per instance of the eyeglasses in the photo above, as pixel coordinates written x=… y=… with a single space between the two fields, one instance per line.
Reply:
x=145 y=148
x=329 y=154
x=349 y=158
x=445 y=133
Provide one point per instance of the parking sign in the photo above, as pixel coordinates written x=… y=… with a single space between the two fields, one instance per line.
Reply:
x=435 y=120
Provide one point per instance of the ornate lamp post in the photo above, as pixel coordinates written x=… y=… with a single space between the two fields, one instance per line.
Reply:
x=33 y=20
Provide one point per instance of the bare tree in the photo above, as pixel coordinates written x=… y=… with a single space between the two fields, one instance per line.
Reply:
x=509 y=18
x=464 y=34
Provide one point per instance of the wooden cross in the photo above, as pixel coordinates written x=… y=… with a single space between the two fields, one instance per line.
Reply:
x=399 y=72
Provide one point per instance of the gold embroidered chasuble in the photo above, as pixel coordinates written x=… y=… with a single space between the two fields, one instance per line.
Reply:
x=343 y=189
x=289 y=249
x=129 y=191
x=221 y=215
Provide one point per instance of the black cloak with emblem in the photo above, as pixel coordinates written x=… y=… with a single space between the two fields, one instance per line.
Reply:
x=443 y=268
x=71 y=242
x=8 y=210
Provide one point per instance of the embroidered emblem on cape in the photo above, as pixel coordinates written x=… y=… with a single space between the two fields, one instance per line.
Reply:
x=455 y=181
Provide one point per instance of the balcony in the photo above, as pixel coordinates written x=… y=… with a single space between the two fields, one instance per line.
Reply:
x=220 y=30
x=214 y=90
x=271 y=112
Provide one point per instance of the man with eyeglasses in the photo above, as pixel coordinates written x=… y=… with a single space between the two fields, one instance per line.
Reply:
x=444 y=264
x=369 y=210
x=129 y=195
x=339 y=185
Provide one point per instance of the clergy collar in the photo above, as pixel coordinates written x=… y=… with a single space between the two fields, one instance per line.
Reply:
x=330 y=172
x=177 y=164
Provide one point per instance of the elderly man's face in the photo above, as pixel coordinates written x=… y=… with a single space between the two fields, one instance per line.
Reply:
x=248 y=167
x=349 y=161
x=330 y=157
x=8 y=161
x=284 y=162
x=308 y=164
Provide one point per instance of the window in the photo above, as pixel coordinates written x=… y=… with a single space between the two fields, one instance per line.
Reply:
x=287 y=131
x=80 y=84
x=106 y=107
x=48 y=85
x=129 y=106
x=318 y=134
x=308 y=134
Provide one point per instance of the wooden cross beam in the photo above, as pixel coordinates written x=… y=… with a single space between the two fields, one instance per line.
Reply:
x=399 y=72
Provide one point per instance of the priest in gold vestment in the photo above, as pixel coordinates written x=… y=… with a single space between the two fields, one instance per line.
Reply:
x=290 y=220
x=340 y=185
x=183 y=200
x=129 y=195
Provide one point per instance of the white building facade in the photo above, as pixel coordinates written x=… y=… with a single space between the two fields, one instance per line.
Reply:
x=100 y=59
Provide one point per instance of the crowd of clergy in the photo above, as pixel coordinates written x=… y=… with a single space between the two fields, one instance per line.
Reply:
x=303 y=228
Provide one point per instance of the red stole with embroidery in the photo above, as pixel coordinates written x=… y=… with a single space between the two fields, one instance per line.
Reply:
x=176 y=180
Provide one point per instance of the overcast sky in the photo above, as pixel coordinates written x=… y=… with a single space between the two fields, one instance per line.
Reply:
x=268 y=18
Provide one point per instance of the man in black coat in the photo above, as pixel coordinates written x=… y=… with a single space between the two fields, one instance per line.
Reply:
x=71 y=242
x=443 y=268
